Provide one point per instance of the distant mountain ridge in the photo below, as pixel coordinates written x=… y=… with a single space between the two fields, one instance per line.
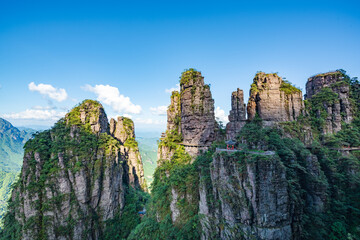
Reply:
x=12 y=140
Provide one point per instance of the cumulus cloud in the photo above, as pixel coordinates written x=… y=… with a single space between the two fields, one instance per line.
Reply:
x=111 y=96
x=58 y=94
x=220 y=115
x=36 y=114
x=160 y=110
x=177 y=88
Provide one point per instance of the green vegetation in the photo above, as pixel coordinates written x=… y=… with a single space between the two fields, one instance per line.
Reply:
x=121 y=225
x=73 y=148
x=179 y=175
x=148 y=151
x=288 y=88
x=11 y=154
x=318 y=106
x=189 y=74
x=90 y=107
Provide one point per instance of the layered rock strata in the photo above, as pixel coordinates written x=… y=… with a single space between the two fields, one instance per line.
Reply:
x=197 y=110
x=191 y=120
x=273 y=99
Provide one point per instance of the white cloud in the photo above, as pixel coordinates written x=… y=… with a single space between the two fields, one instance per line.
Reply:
x=177 y=88
x=160 y=110
x=58 y=94
x=111 y=96
x=148 y=121
x=220 y=115
x=36 y=114
x=43 y=108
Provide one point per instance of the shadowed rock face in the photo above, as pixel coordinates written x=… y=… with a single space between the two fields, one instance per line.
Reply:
x=252 y=200
x=123 y=130
x=337 y=111
x=237 y=117
x=73 y=178
x=273 y=100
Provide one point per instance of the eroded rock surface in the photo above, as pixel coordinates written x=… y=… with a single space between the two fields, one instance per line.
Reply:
x=237 y=117
x=273 y=99
x=338 y=109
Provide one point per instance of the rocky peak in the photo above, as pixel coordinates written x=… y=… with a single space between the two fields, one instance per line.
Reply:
x=91 y=114
x=329 y=95
x=74 y=180
x=237 y=117
x=197 y=110
x=274 y=99
x=122 y=129
x=319 y=81
x=238 y=107
x=190 y=117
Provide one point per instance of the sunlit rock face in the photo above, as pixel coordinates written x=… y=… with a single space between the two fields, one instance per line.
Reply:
x=273 y=99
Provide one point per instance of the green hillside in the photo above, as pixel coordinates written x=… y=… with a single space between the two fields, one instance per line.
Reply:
x=148 y=151
x=12 y=141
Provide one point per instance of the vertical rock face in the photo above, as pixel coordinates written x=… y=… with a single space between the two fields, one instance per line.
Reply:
x=237 y=117
x=274 y=99
x=197 y=110
x=253 y=203
x=73 y=178
x=124 y=131
x=337 y=109
x=190 y=117
x=191 y=126
x=165 y=152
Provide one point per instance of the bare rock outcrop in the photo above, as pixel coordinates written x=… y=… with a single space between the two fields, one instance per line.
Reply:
x=190 y=118
x=123 y=130
x=197 y=110
x=338 y=108
x=253 y=202
x=237 y=117
x=274 y=99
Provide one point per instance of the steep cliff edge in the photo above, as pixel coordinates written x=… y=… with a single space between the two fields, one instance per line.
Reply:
x=75 y=182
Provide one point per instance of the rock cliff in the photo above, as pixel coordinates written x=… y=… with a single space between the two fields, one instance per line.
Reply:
x=237 y=117
x=197 y=110
x=249 y=207
x=74 y=180
x=330 y=98
x=124 y=131
x=191 y=120
x=274 y=99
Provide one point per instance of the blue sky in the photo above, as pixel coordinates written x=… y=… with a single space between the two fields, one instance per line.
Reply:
x=139 y=48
